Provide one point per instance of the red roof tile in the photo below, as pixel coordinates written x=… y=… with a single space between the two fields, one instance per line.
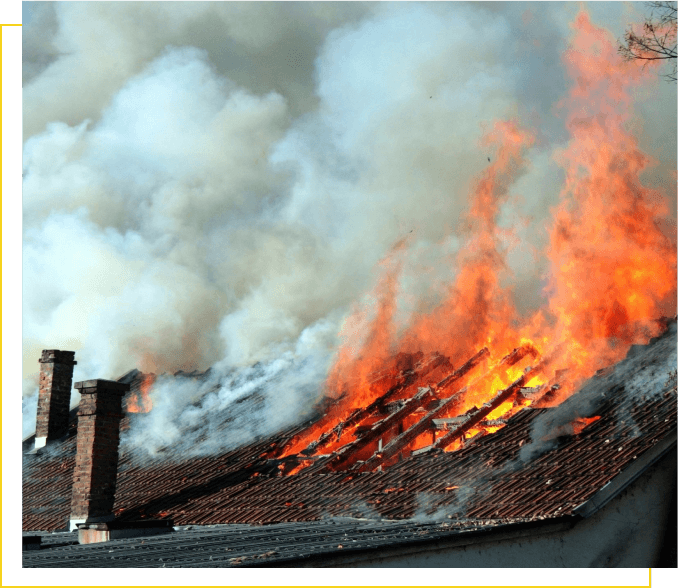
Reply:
x=492 y=477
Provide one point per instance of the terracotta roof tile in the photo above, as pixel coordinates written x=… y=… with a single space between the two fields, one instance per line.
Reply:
x=494 y=480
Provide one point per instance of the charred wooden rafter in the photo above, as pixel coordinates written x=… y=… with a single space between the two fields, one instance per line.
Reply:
x=462 y=371
x=408 y=378
x=514 y=357
x=420 y=426
x=347 y=454
x=488 y=407
x=549 y=396
x=396 y=445
x=400 y=442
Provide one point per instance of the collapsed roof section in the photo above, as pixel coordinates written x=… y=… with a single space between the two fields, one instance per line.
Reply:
x=429 y=407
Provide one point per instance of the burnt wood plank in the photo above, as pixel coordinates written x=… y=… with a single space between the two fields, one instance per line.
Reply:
x=408 y=378
x=488 y=407
x=397 y=444
x=347 y=454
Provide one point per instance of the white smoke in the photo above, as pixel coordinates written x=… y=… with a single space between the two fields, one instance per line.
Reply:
x=647 y=372
x=428 y=509
x=230 y=406
x=205 y=183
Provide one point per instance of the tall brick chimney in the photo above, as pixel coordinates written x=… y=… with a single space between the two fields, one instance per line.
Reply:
x=96 y=460
x=54 y=396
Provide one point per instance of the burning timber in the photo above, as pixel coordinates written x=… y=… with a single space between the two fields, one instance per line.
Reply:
x=365 y=431
x=406 y=378
x=528 y=464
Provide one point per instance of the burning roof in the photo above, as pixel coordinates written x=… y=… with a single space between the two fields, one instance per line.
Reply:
x=540 y=462
x=469 y=410
x=473 y=357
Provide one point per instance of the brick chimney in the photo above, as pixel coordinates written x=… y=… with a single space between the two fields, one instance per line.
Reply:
x=96 y=460
x=54 y=396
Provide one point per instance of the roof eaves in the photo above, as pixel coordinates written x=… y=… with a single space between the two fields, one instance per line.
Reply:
x=416 y=544
x=628 y=476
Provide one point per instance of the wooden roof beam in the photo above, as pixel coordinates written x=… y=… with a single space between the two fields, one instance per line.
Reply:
x=347 y=454
x=358 y=415
x=488 y=407
x=397 y=444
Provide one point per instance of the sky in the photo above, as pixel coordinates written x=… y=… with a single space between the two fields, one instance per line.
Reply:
x=215 y=184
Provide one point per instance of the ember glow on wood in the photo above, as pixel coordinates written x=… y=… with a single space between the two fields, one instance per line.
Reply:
x=410 y=425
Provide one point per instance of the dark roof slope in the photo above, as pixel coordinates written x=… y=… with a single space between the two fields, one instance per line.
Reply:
x=540 y=465
x=246 y=545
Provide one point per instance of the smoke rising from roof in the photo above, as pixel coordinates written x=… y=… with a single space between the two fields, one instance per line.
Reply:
x=230 y=406
x=647 y=372
x=205 y=183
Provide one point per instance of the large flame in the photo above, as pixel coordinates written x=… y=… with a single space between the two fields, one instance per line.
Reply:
x=612 y=270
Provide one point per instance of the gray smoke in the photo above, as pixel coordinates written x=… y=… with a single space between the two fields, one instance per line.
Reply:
x=206 y=182
x=646 y=373
x=428 y=509
x=230 y=406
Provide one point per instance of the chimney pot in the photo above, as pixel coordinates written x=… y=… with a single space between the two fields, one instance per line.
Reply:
x=96 y=460
x=54 y=395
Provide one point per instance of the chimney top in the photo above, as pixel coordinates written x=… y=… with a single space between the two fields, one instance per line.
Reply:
x=91 y=386
x=54 y=395
x=57 y=356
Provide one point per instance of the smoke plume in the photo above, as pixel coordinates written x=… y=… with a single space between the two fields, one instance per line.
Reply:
x=214 y=184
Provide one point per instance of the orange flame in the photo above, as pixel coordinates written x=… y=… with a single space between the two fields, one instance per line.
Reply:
x=142 y=402
x=581 y=423
x=612 y=270
x=356 y=371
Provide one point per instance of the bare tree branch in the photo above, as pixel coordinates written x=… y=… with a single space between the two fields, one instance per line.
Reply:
x=657 y=41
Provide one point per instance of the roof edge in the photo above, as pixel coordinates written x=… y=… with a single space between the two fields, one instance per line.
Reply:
x=627 y=477
x=413 y=546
